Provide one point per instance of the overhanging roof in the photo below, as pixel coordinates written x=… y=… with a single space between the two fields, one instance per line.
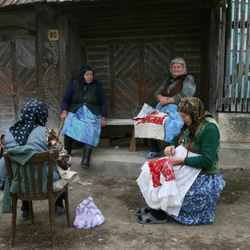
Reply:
x=4 y=3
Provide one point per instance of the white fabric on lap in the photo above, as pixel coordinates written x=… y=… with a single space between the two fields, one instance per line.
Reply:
x=170 y=195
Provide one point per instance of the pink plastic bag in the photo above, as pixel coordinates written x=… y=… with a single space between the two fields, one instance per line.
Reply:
x=88 y=215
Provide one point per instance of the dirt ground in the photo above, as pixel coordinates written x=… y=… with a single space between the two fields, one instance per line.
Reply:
x=118 y=199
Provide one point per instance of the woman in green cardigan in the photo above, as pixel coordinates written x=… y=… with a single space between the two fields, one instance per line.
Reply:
x=200 y=134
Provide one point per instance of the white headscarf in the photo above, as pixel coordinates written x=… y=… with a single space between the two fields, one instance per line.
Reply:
x=181 y=61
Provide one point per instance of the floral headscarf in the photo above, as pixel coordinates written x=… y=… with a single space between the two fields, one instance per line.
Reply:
x=33 y=114
x=194 y=107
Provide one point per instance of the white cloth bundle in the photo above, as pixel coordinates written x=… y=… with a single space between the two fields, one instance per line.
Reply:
x=170 y=195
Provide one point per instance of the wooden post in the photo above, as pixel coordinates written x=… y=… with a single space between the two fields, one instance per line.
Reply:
x=132 y=147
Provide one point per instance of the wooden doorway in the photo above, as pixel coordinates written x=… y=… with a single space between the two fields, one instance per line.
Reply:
x=131 y=70
x=18 y=75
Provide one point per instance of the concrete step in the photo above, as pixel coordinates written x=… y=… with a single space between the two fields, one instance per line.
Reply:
x=118 y=161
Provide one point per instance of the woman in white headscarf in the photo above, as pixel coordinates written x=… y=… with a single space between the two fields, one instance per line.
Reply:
x=178 y=85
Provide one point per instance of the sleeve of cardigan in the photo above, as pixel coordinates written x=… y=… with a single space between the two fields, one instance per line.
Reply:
x=103 y=100
x=188 y=89
x=209 y=144
x=158 y=91
x=67 y=97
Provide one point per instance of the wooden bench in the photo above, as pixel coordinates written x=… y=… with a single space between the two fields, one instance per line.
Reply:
x=124 y=122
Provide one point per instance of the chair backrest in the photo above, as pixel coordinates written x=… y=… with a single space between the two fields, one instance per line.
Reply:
x=34 y=179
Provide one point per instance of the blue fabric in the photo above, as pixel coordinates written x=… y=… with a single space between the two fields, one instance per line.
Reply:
x=83 y=126
x=199 y=205
x=174 y=123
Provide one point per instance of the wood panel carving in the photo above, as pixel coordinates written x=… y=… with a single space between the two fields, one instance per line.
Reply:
x=133 y=69
x=51 y=58
x=127 y=77
x=18 y=78
x=156 y=68
x=136 y=69
x=50 y=79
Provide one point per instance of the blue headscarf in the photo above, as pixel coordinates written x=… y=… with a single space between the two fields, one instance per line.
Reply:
x=33 y=114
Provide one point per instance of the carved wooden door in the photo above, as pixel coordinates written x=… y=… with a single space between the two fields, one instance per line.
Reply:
x=17 y=78
x=131 y=71
x=140 y=68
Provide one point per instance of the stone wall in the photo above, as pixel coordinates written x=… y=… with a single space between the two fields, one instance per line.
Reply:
x=235 y=140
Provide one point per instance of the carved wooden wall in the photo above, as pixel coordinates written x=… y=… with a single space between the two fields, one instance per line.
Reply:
x=132 y=70
x=51 y=67
x=32 y=66
x=18 y=82
x=131 y=67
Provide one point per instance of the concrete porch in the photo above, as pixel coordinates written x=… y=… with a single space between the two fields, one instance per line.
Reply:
x=118 y=161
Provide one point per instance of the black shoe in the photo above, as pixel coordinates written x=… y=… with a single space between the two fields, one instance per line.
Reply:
x=59 y=210
x=143 y=211
x=84 y=164
x=2 y=183
x=25 y=215
x=68 y=141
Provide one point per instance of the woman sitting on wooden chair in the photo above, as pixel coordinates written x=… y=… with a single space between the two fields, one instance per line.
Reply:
x=30 y=131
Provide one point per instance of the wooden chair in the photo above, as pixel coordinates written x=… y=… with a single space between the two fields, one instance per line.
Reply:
x=34 y=187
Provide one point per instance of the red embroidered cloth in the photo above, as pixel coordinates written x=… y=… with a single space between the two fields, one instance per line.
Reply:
x=153 y=118
x=161 y=166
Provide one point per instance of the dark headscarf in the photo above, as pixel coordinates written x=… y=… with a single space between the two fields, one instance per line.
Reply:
x=194 y=107
x=33 y=114
x=83 y=70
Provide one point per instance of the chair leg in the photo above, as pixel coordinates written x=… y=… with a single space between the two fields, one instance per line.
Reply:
x=66 y=199
x=52 y=222
x=14 y=212
x=31 y=212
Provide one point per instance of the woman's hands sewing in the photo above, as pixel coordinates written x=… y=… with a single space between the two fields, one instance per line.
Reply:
x=170 y=150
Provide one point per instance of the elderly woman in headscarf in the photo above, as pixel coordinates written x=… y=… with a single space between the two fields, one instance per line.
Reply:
x=180 y=84
x=84 y=112
x=200 y=135
x=30 y=131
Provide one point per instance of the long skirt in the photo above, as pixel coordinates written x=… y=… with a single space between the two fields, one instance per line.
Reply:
x=199 y=204
x=174 y=123
x=83 y=126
